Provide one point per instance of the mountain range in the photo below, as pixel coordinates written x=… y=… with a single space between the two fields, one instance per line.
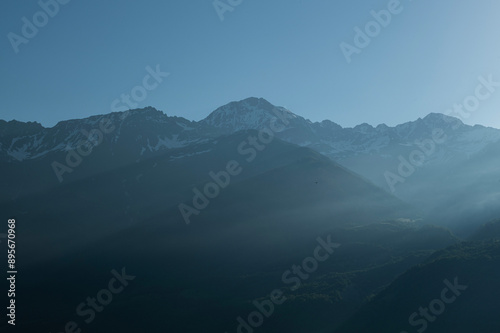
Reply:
x=400 y=159
x=210 y=216
x=29 y=141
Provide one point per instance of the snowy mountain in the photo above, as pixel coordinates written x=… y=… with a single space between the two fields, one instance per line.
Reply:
x=148 y=129
x=340 y=143
x=152 y=131
x=398 y=159
x=250 y=113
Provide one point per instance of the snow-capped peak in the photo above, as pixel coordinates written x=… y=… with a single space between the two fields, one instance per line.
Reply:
x=250 y=113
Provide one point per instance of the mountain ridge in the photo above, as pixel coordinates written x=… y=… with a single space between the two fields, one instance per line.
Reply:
x=448 y=149
x=21 y=140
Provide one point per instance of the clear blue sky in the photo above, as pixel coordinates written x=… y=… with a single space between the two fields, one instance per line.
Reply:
x=287 y=51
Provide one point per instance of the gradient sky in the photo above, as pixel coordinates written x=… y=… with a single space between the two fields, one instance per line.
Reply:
x=287 y=51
